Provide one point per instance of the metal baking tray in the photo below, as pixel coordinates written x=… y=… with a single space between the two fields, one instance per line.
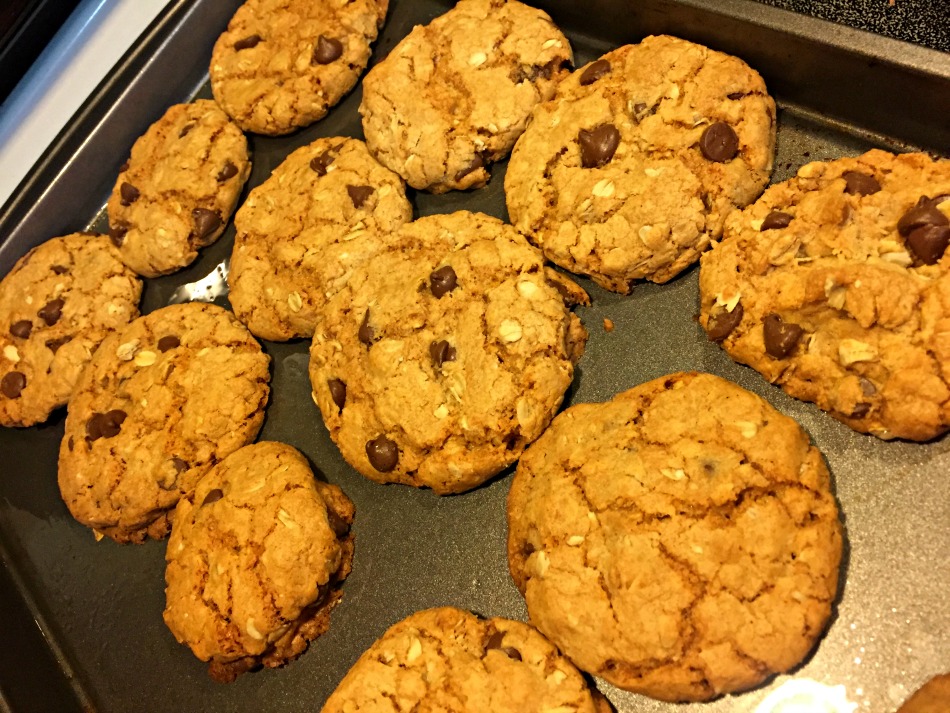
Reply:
x=83 y=619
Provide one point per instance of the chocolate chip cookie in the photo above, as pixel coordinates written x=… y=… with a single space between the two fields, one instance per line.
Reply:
x=256 y=560
x=933 y=697
x=300 y=232
x=282 y=64
x=178 y=189
x=450 y=660
x=57 y=304
x=446 y=354
x=836 y=286
x=630 y=171
x=454 y=95
x=680 y=540
x=162 y=401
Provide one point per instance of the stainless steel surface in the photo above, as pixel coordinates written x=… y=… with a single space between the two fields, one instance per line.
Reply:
x=99 y=604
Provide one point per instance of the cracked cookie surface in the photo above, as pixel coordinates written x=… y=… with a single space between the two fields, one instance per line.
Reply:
x=454 y=95
x=256 y=560
x=450 y=660
x=57 y=304
x=162 y=401
x=628 y=173
x=679 y=541
x=300 y=232
x=444 y=355
x=178 y=189
x=835 y=285
x=932 y=697
x=282 y=64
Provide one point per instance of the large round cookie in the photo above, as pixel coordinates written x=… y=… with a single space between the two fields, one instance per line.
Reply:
x=454 y=95
x=178 y=189
x=57 y=304
x=836 y=286
x=281 y=64
x=161 y=402
x=629 y=172
x=256 y=559
x=300 y=232
x=447 y=659
x=446 y=354
x=680 y=541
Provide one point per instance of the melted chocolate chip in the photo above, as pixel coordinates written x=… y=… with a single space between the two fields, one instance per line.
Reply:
x=867 y=388
x=105 y=425
x=780 y=337
x=441 y=352
x=21 y=329
x=128 y=194
x=776 y=219
x=206 y=222
x=476 y=163
x=213 y=496
x=54 y=344
x=382 y=453
x=169 y=341
x=736 y=95
x=247 y=42
x=12 y=384
x=185 y=130
x=721 y=325
x=594 y=71
x=339 y=526
x=719 y=142
x=861 y=409
x=367 y=334
x=918 y=217
x=59 y=269
x=337 y=392
x=124 y=167
x=598 y=145
x=861 y=184
x=359 y=194
x=328 y=50
x=494 y=644
x=546 y=70
x=179 y=465
x=52 y=311
x=929 y=243
x=319 y=163
x=117 y=234
x=443 y=281
x=228 y=171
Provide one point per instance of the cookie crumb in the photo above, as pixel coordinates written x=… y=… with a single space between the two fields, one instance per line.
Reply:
x=608 y=325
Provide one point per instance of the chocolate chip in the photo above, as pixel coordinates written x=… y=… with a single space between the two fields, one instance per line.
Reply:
x=229 y=171
x=213 y=496
x=117 y=234
x=337 y=392
x=598 y=145
x=319 y=164
x=59 y=269
x=359 y=194
x=367 y=334
x=736 y=95
x=206 y=222
x=494 y=644
x=169 y=341
x=124 y=167
x=721 y=325
x=861 y=410
x=52 y=311
x=862 y=184
x=247 y=42
x=327 y=50
x=594 y=71
x=641 y=111
x=719 y=142
x=339 y=526
x=867 y=388
x=918 y=217
x=128 y=193
x=12 y=384
x=382 y=453
x=105 y=425
x=929 y=242
x=776 y=219
x=54 y=344
x=546 y=70
x=780 y=337
x=441 y=352
x=179 y=465
x=21 y=329
x=476 y=163
x=443 y=281
x=185 y=130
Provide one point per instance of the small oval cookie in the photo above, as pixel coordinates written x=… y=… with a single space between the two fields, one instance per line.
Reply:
x=161 y=402
x=450 y=660
x=454 y=95
x=680 y=540
x=300 y=232
x=178 y=189
x=446 y=354
x=281 y=65
x=256 y=560
x=835 y=285
x=57 y=304
x=628 y=173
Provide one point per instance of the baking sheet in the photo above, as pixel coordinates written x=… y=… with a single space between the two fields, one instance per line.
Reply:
x=98 y=606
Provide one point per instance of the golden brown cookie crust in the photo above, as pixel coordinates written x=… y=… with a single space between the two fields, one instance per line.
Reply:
x=679 y=541
x=932 y=697
x=612 y=179
x=857 y=321
x=256 y=559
